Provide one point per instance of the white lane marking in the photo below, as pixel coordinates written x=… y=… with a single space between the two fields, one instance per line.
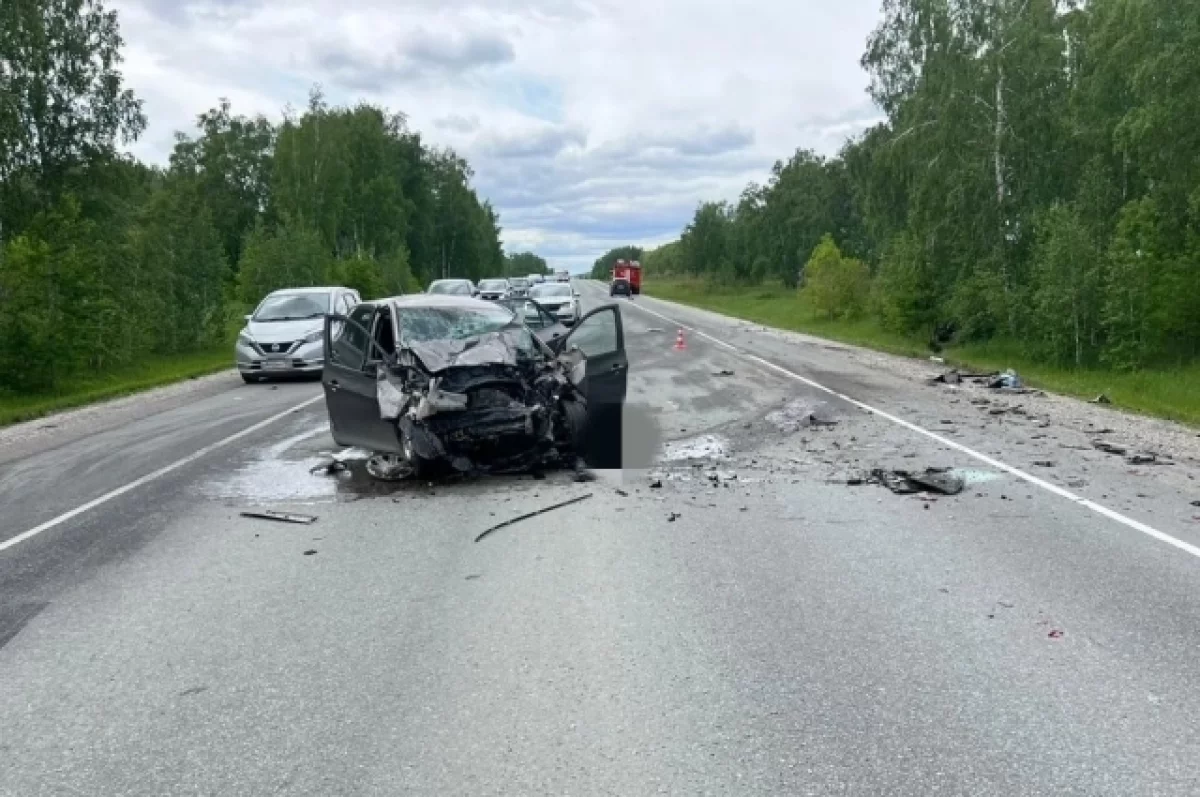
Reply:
x=1079 y=500
x=149 y=477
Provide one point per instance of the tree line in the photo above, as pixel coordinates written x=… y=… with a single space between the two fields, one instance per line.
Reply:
x=105 y=260
x=1037 y=178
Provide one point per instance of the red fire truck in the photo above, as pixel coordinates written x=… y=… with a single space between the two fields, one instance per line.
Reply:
x=631 y=272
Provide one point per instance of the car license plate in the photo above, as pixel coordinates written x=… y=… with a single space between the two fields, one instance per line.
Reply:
x=276 y=365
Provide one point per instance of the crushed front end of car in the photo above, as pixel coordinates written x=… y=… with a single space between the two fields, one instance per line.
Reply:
x=492 y=403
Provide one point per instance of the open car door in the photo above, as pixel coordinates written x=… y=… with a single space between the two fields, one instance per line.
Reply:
x=546 y=327
x=353 y=357
x=600 y=337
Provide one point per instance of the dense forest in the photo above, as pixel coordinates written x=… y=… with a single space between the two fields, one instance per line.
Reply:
x=1037 y=179
x=104 y=260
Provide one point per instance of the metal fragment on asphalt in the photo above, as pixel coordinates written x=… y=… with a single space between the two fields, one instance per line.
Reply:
x=282 y=517
x=533 y=514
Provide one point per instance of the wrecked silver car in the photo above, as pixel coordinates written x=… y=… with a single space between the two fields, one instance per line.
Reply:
x=432 y=383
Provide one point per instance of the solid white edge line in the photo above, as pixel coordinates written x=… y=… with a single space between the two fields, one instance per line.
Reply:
x=1079 y=500
x=149 y=477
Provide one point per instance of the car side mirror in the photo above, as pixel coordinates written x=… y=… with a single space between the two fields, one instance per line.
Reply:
x=247 y=317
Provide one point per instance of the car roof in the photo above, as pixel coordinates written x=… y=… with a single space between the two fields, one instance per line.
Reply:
x=452 y=279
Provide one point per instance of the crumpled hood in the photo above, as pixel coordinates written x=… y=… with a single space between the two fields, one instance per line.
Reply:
x=273 y=331
x=493 y=348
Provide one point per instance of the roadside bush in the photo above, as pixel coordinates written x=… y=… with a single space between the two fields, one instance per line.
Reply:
x=904 y=295
x=837 y=286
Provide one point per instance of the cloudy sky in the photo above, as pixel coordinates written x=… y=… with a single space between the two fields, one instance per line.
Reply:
x=589 y=123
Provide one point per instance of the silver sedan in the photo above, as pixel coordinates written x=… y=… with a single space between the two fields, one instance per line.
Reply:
x=284 y=336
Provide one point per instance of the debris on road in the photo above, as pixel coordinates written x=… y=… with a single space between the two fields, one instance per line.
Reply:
x=533 y=514
x=655 y=329
x=656 y=484
x=1008 y=379
x=1044 y=463
x=621 y=493
x=932 y=480
x=1055 y=634
x=330 y=468
x=951 y=377
x=310 y=552
x=1144 y=458
x=671 y=518
x=723 y=372
x=1101 y=399
x=282 y=517
x=1109 y=448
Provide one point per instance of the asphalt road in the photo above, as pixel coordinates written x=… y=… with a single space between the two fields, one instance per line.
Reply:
x=754 y=625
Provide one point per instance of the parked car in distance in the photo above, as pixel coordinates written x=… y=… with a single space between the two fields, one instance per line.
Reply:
x=559 y=299
x=536 y=279
x=518 y=287
x=563 y=276
x=620 y=287
x=493 y=289
x=452 y=288
x=284 y=334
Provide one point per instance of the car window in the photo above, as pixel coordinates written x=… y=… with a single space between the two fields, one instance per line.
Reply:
x=381 y=331
x=345 y=303
x=293 y=306
x=597 y=334
x=550 y=289
x=350 y=345
x=451 y=288
x=493 y=285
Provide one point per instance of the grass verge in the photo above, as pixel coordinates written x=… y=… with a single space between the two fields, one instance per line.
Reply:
x=151 y=372
x=1172 y=394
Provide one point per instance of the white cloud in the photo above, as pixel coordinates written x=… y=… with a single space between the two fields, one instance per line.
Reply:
x=589 y=123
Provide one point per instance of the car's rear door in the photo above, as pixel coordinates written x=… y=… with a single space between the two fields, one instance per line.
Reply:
x=600 y=336
x=349 y=382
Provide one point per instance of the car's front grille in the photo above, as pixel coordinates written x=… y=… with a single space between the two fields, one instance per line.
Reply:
x=276 y=348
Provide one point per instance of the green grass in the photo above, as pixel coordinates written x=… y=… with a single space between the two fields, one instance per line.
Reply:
x=1173 y=394
x=152 y=372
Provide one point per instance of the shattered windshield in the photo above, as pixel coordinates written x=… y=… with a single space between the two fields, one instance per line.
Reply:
x=292 y=307
x=420 y=324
